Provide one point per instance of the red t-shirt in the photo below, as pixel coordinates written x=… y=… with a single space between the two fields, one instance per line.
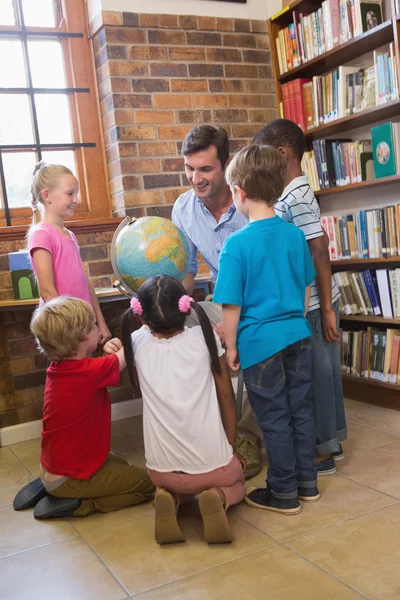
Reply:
x=76 y=432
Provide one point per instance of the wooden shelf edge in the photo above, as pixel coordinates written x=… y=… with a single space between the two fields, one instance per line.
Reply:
x=369 y=40
x=85 y=226
x=374 y=382
x=352 y=187
x=354 y=262
x=374 y=320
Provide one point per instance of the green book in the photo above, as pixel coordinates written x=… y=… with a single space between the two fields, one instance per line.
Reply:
x=383 y=151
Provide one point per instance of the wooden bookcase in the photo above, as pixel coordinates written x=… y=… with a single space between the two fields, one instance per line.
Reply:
x=366 y=390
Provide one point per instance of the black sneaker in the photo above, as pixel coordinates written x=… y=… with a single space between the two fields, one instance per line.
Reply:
x=326 y=467
x=309 y=494
x=29 y=495
x=339 y=455
x=56 y=508
x=264 y=498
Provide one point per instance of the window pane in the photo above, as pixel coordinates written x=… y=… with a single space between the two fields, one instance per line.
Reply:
x=61 y=157
x=54 y=119
x=7 y=13
x=46 y=64
x=18 y=169
x=15 y=121
x=12 y=70
x=39 y=13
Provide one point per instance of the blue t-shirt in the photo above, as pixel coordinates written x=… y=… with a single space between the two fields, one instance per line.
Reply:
x=265 y=268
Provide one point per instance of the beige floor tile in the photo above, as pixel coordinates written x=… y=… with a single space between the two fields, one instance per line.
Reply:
x=364 y=552
x=379 y=469
x=131 y=552
x=127 y=435
x=29 y=454
x=361 y=438
x=20 y=531
x=62 y=571
x=341 y=499
x=374 y=416
x=13 y=476
x=99 y=521
x=277 y=574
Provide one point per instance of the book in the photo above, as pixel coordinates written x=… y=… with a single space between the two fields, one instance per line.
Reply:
x=371 y=14
x=383 y=150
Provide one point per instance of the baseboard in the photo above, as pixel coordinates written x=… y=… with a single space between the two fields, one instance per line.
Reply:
x=32 y=430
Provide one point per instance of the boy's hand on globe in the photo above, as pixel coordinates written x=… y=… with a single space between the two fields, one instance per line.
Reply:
x=112 y=346
x=232 y=358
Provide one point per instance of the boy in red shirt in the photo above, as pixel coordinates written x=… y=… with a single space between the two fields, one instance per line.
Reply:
x=78 y=472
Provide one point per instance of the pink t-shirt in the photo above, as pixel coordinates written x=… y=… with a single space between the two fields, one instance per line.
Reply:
x=69 y=273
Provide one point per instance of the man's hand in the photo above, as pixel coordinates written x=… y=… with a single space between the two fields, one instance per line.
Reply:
x=219 y=330
x=112 y=346
x=329 y=329
x=232 y=359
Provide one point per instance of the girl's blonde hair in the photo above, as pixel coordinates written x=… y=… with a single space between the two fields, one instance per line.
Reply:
x=45 y=176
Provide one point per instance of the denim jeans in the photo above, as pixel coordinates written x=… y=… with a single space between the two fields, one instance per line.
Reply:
x=326 y=388
x=278 y=390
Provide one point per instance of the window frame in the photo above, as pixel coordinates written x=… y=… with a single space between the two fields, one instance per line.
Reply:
x=82 y=93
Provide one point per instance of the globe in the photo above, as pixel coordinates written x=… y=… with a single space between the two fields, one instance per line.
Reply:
x=142 y=248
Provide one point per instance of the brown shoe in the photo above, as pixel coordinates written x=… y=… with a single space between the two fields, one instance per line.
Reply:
x=215 y=521
x=250 y=453
x=167 y=530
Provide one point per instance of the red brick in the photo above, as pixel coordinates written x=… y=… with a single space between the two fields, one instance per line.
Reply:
x=172 y=195
x=168 y=70
x=23 y=347
x=224 y=24
x=6 y=385
x=40 y=361
x=173 y=164
x=143 y=198
x=124 y=150
x=265 y=72
x=160 y=181
x=193 y=116
x=172 y=101
x=150 y=85
x=131 y=100
x=99 y=40
x=167 y=38
x=154 y=116
x=241 y=71
x=197 y=38
x=209 y=101
x=27 y=414
x=259 y=26
x=206 y=70
x=137 y=133
x=226 y=85
x=242 y=25
x=126 y=68
x=5 y=280
x=136 y=212
x=119 y=84
x=268 y=101
x=258 y=86
x=121 y=35
x=102 y=267
x=130 y=19
x=236 y=145
x=187 y=22
x=131 y=182
x=102 y=282
x=230 y=115
x=206 y=22
x=111 y=17
x=187 y=54
x=257 y=56
x=262 y=41
x=169 y=21
x=116 y=52
x=244 y=101
x=148 y=20
x=263 y=115
x=124 y=117
x=157 y=149
x=101 y=57
x=248 y=130
x=189 y=85
x=148 y=165
x=148 y=53
x=29 y=380
x=116 y=185
x=93 y=252
x=224 y=55
x=178 y=132
x=16 y=330
x=22 y=365
x=238 y=40
x=160 y=211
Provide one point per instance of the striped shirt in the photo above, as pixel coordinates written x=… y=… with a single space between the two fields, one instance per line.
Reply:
x=298 y=205
x=204 y=234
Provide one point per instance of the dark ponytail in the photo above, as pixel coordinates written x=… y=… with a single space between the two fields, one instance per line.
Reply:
x=209 y=336
x=130 y=323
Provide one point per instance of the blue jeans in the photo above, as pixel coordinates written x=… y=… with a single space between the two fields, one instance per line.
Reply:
x=278 y=390
x=326 y=389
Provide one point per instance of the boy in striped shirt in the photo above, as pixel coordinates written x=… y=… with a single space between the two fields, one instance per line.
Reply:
x=298 y=205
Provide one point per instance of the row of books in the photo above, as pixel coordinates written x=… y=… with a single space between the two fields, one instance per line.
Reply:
x=369 y=293
x=334 y=23
x=373 y=233
x=372 y=354
x=347 y=90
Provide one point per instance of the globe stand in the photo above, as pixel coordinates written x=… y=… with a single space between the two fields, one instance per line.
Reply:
x=118 y=284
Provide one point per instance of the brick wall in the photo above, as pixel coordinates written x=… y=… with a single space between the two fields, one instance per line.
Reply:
x=158 y=76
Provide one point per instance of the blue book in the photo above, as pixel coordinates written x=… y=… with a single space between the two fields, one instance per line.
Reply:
x=371 y=292
x=364 y=235
x=318 y=160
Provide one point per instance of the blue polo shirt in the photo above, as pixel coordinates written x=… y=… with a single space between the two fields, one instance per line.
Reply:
x=265 y=268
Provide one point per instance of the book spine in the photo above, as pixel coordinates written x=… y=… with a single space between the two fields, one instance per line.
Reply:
x=371 y=293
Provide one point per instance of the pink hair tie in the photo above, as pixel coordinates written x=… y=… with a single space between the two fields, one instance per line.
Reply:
x=136 y=307
x=184 y=303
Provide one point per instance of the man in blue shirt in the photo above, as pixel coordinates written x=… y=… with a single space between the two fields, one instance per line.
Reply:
x=264 y=278
x=207 y=216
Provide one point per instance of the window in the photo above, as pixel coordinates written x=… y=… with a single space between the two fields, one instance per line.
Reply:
x=48 y=105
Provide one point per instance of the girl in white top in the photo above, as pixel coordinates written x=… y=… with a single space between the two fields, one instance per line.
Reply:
x=189 y=409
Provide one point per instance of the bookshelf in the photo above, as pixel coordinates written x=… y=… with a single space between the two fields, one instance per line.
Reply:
x=356 y=195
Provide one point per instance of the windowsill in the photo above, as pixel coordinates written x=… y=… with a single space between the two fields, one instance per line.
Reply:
x=86 y=226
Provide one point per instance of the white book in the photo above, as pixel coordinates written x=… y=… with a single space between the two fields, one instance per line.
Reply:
x=342 y=88
x=384 y=292
x=371 y=233
x=378 y=233
x=394 y=293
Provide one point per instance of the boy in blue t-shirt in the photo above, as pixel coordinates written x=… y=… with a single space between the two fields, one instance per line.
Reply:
x=265 y=271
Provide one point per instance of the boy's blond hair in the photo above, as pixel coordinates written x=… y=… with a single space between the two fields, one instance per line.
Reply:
x=60 y=325
x=260 y=171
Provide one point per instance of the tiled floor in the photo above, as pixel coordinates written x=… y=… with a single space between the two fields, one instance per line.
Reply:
x=347 y=546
